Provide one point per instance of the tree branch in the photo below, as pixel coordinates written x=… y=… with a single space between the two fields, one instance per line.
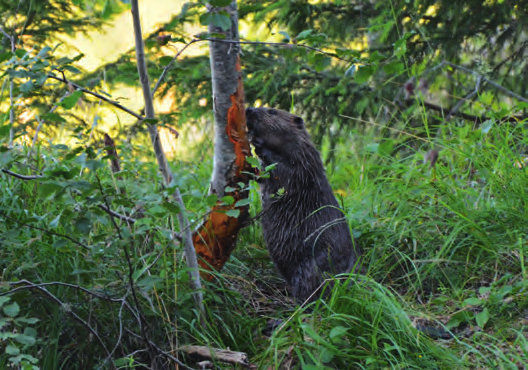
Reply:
x=99 y=96
x=46 y=231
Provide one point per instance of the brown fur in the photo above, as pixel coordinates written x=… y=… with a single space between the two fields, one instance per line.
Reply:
x=305 y=231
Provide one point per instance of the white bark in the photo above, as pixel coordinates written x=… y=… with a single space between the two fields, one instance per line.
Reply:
x=224 y=79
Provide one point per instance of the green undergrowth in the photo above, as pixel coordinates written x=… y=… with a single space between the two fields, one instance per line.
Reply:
x=445 y=248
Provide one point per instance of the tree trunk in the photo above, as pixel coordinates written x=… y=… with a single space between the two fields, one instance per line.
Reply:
x=225 y=81
x=216 y=238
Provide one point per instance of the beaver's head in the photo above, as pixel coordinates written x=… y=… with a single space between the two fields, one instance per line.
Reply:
x=278 y=136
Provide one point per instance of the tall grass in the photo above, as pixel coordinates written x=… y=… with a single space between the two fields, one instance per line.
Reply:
x=445 y=247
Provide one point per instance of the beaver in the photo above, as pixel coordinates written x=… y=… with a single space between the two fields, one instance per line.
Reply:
x=304 y=229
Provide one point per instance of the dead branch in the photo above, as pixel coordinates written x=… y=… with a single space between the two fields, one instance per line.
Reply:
x=222 y=355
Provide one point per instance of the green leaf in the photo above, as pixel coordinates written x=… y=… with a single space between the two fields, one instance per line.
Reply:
x=326 y=355
x=148 y=282
x=486 y=126
x=220 y=19
x=363 y=74
x=93 y=164
x=303 y=35
x=165 y=60
x=228 y=199
x=157 y=211
x=385 y=148
x=24 y=320
x=393 y=67
x=288 y=38
x=351 y=71
x=172 y=208
x=26 y=86
x=211 y=200
x=12 y=310
x=5 y=56
x=482 y=317
x=473 y=301
x=55 y=222
x=70 y=101
x=25 y=339
x=20 y=53
x=4 y=130
x=233 y=213
x=52 y=117
x=253 y=161
x=243 y=202
x=83 y=225
x=12 y=350
x=4 y=299
x=44 y=52
x=337 y=332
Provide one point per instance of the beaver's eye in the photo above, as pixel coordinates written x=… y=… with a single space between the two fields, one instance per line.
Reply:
x=272 y=112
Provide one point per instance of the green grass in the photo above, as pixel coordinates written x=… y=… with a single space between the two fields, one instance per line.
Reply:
x=444 y=247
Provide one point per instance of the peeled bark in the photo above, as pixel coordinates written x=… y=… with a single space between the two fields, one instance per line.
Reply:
x=216 y=238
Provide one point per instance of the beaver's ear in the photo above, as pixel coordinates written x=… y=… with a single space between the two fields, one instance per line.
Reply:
x=298 y=122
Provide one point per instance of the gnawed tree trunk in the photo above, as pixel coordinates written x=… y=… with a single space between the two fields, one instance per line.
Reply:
x=216 y=238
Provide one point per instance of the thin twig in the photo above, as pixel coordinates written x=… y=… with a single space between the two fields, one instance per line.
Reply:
x=190 y=256
x=470 y=96
x=75 y=316
x=130 y=267
x=166 y=69
x=102 y=206
x=502 y=88
x=99 y=96
x=19 y=176
x=46 y=231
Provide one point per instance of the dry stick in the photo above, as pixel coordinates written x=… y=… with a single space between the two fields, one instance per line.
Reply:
x=160 y=155
x=162 y=352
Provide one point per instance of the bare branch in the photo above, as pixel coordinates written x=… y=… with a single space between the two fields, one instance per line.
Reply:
x=21 y=177
x=503 y=89
x=166 y=69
